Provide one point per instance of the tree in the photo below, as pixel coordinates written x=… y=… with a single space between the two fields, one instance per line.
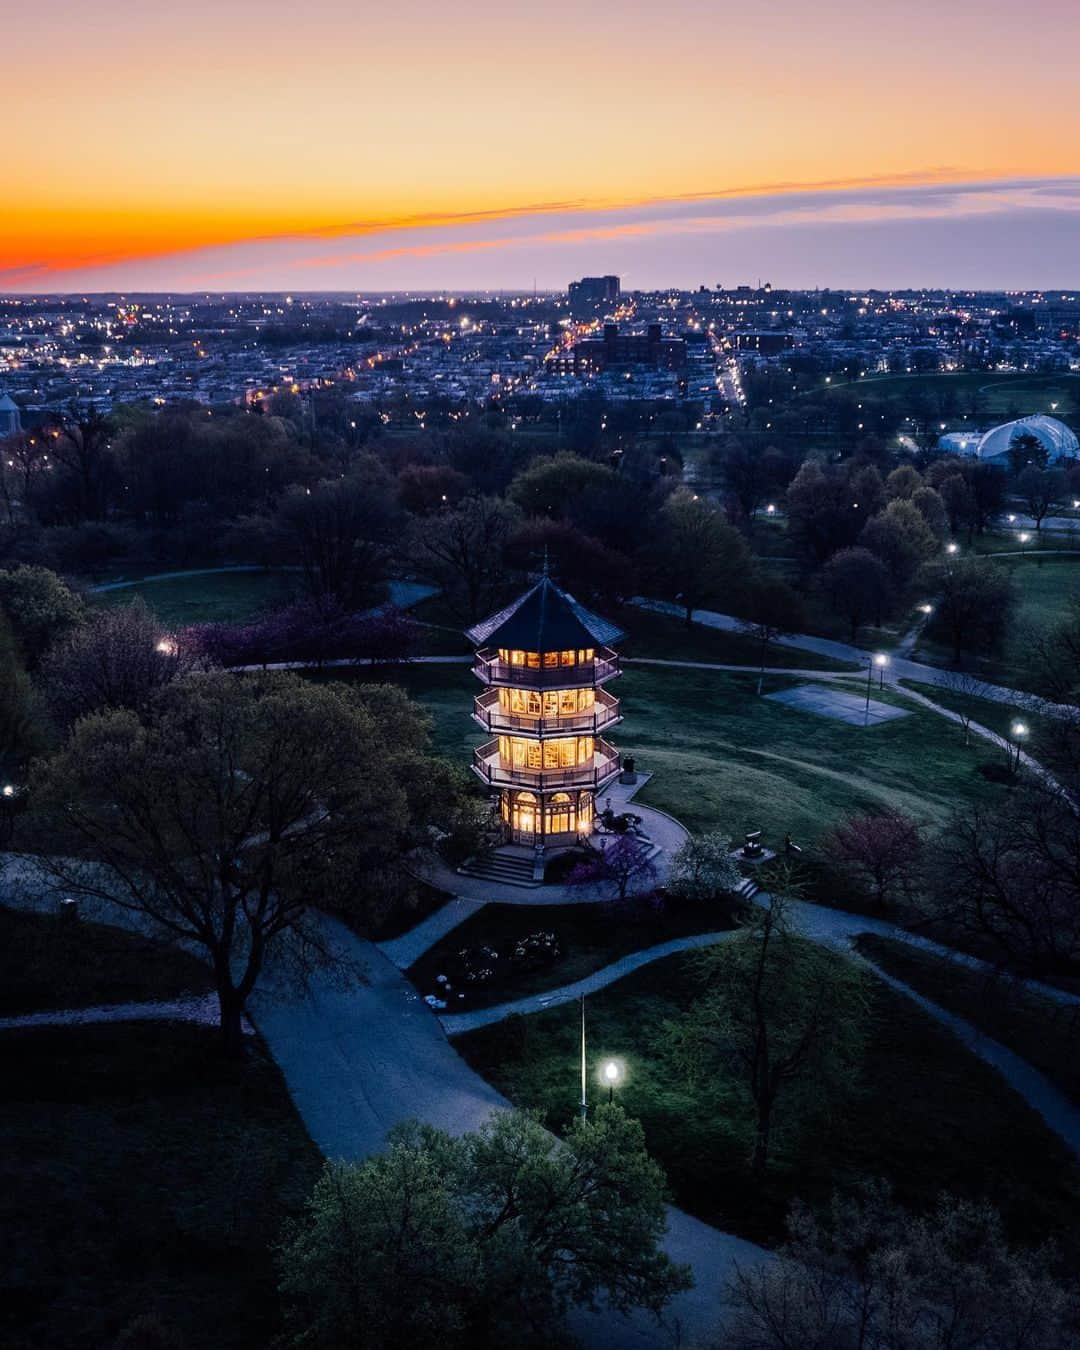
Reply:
x=617 y=869
x=903 y=483
x=820 y=510
x=857 y=585
x=1008 y=875
x=780 y=1015
x=552 y=484
x=882 y=848
x=930 y=505
x=1041 y=490
x=342 y=532
x=20 y=729
x=39 y=607
x=772 y=610
x=118 y=658
x=586 y=567
x=220 y=813
x=976 y=598
x=87 y=481
x=964 y=686
x=958 y=501
x=1026 y=450
x=703 y=868
x=426 y=489
x=461 y=550
x=879 y=1278
x=483 y=1240
x=902 y=539
x=699 y=556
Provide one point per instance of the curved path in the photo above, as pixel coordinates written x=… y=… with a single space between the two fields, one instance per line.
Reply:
x=837 y=929
x=899 y=667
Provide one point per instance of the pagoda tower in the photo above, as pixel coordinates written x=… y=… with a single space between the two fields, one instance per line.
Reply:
x=545 y=661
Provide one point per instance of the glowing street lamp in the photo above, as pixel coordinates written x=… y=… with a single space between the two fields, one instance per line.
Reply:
x=926 y=609
x=1023 y=536
x=166 y=646
x=952 y=549
x=611 y=1075
x=1019 y=731
x=879 y=660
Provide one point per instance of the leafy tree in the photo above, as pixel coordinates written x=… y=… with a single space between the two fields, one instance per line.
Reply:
x=876 y=1277
x=484 y=1240
x=821 y=514
x=903 y=483
x=781 y=1015
x=703 y=868
x=461 y=549
x=930 y=505
x=220 y=813
x=958 y=501
x=39 y=607
x=976 y=598
x=586 y=567
x=1026 y=450
x=426 y=489
x=882 y=848
x=902 y=539
x=118 y=658
x=857 y=585
x=20 y=730
x=699 y=556
x=551 y=485
x=87 y=481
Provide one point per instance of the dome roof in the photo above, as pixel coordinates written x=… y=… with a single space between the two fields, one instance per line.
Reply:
x=1060 y=441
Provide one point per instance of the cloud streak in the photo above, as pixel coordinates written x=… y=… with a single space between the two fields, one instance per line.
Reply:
x=1005 y=226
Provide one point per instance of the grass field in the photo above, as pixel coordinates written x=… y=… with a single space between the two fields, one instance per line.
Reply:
x=981 y=394
x=140 y=1174
x=221 y=597
x=46 y=963
x=925 y=1113
x=1044 y=1033
x=724 y=759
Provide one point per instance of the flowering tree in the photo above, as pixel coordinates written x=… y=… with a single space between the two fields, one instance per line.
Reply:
x=883 y=848
x=618 y=869
x=703 y=868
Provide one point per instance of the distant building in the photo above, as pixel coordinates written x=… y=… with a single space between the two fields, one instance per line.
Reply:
x=769 y=343
x=992 y=447
x=592 y=292
x=650 y=348
x=10 y=421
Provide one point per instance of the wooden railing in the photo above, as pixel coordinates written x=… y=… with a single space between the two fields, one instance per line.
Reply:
x=594 y=773
x=492 y=717
x=492 y=670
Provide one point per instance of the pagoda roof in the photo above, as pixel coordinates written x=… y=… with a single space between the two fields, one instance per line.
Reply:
x=544 y=619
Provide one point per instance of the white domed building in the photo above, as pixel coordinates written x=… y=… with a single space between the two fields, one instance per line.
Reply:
x=1059 y=440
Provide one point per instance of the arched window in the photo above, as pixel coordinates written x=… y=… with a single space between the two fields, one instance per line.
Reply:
x=559 y=815
x=523 y=820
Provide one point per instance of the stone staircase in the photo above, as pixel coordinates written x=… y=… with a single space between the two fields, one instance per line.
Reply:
x=506 y=868
x=748 y=889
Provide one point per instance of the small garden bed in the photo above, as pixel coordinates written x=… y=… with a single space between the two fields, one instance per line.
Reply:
x=507 y=952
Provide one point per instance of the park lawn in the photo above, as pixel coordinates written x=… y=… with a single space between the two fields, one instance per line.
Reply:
x=223 y=597
x=590 y=936
x=981 y=394
x=651 y=635
x=142 y=1174
x=724 y=759
x=1045 y=1033
x=926 y=1114
x=987 y=712
x=48 y=963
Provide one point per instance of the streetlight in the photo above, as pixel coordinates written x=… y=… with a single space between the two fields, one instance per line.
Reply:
x=926 y=609
x=880 y=660
x=1019 y=731
x=611 y=1074
x=584 y=1103
x=952 y=549
x=1023 y=536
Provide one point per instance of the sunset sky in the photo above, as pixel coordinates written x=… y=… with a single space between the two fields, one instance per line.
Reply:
x=253 y=144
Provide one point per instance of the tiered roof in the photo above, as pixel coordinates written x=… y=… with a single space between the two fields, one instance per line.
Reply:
x=544 y=619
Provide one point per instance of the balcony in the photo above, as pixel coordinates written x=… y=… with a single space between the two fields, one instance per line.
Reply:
x=603 y=767
x=491 y=717
x=488 y=667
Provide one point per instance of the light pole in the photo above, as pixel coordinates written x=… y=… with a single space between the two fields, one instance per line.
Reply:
x=1023 y=537
x=612 y=1074
x=584 y=1104
x=880 y=660
x=1019 y=731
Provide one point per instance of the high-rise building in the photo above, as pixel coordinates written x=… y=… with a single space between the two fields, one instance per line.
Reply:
x=592 y=292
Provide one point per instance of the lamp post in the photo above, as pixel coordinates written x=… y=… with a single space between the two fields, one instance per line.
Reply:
x=1019 y=730
x=584 y=1103
x=612 y=1074
x=1023 y=537
x=880 y=660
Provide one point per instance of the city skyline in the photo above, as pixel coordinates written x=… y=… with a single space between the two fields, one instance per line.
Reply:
x=237 y=147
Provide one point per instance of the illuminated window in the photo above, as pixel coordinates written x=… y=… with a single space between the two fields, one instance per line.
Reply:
x=550 y=659
x=568 y=658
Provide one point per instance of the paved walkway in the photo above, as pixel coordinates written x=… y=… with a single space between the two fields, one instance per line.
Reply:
x=899 y=667
x=410 y=946
x=203 y=1009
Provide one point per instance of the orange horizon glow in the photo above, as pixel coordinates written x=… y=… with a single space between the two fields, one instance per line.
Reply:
x=145 y=134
